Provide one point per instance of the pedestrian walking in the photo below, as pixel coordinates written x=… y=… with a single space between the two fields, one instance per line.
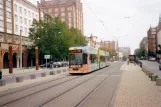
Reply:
x=128 y=61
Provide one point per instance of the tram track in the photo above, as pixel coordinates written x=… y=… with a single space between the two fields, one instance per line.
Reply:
x=2 y=95
x=41 y=105
x=45 y=89
x=89 y=94
x=53 y=101
x=34 y=92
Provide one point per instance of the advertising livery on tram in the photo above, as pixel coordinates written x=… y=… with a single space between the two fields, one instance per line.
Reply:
x=86 y=59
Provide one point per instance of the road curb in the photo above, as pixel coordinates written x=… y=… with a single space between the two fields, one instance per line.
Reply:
x=20 y=79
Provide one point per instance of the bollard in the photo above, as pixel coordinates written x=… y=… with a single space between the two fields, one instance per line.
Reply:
x=147 y=72
x=19 y=79
x=141 y=65
x=43 y=74
x=52 y=73
x=158 y=81
x=154 y=77
x=64 y=70
x=32 y=77
x=58 y=71
x=0 y=74
x=150 y=74
x=2 y=83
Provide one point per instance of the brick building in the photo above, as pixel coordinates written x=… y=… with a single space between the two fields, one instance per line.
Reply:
x=125 y=50
x=144 y=44
x=16 y=15
x=152 y=41
x=91 y=41
x=110 y=44
x=69 y=11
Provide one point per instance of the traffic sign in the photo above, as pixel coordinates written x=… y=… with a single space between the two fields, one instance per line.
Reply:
x=47 y=56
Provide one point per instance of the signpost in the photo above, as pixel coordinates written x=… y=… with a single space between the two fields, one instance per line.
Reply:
x=46 y=57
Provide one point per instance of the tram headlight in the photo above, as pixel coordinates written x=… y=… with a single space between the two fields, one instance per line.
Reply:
x=71 y=66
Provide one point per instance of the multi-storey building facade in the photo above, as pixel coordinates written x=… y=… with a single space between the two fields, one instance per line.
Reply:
x=91 y=41
x=125 y=50
x=152 y=41
x=144 y=43
x=69 y=11
x=110 y=44
x=15 y=15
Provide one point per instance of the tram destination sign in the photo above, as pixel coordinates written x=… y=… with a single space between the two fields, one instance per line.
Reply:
x=75 y=51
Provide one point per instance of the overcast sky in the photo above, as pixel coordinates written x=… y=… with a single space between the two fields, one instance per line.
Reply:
x=129 y=31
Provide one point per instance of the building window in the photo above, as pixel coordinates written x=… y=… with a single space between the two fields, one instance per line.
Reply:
x=50 y=11
x=29 y=22
x=8 y=3
x=25 y=11
x=62 y=9
x=36 y=17
x=56 y=14
x=70 y=20
x=33 y=15
x=69 y=14
x=1 y=23
x=20 y=10
x=25 y=21
x=63 y=19
x=1 y=12
x=63 y=14
x=56 y=9
x=8 y=14
x=16 y=28
x=69 y=8
x=25 y=30
x=29 y=13
x=9 y=25
x=1 y=1
x=16 y=18
x=21 y=21
x=21 y=28
x=70 y=25
x=15 y=7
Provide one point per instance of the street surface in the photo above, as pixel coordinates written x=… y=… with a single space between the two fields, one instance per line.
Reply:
x=92 y=90
x=153 y=66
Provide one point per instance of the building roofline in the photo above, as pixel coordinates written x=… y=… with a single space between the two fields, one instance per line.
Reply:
x=31 y=4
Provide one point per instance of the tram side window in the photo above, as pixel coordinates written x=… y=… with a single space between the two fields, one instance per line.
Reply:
x=84 y=58
x=102 y=59
x=93 y=58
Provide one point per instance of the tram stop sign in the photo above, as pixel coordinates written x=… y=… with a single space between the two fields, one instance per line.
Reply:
x=46 y=56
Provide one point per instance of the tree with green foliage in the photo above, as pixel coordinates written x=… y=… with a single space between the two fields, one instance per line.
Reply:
x=140 y=53
x=111 y=52
x=54 y=37
x=159 y=51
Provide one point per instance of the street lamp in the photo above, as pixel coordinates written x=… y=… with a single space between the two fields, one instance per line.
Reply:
x=20 y=49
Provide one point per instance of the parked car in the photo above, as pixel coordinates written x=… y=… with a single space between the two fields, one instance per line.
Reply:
x=64 y=64
x=57 y=64
x=44 y=65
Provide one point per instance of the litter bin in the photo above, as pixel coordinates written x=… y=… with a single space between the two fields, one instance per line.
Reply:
x=0 y=74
